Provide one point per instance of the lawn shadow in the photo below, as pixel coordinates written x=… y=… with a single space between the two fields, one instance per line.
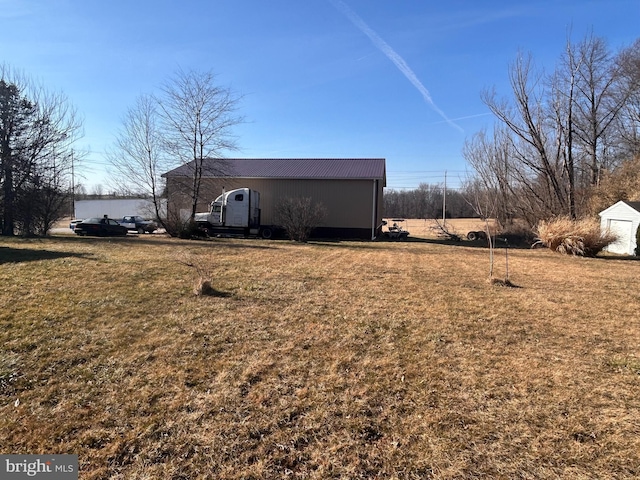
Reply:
x=612 y=256
x=19 y=255
x=161 y=239
x=221 y=242
x=212 y=292
x=499 y=244
x=374 y=244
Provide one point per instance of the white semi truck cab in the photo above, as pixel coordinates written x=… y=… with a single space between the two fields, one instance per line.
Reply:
x=234 y=212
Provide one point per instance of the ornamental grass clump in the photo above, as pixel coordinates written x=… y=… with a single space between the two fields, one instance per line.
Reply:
x=575 y=237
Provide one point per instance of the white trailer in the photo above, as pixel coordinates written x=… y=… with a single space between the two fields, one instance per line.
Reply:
x=117 y=208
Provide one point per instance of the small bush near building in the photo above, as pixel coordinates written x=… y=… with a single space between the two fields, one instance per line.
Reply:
x=299 y=216
x=576 y=237
x=181 y=228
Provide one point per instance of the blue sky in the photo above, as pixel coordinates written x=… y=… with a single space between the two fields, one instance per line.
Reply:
x=399 y=79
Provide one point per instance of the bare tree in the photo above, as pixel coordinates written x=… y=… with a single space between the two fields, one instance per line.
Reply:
x=139 y=158
x=485 y=201
x=37 y=131
x=537 y=158
x=197 y=118
x=562 y=88
x=491 y=159
x=628 y=122
x=599 y=99
x=45 y=198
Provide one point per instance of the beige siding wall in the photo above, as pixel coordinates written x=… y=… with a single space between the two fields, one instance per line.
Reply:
x=349 y=203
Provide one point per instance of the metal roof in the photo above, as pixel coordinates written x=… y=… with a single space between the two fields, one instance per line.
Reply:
x=289 y=168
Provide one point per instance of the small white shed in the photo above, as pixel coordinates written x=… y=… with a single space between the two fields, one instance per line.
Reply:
x=623 y=219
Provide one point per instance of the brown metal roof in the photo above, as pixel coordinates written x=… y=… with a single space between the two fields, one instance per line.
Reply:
x=290 y=168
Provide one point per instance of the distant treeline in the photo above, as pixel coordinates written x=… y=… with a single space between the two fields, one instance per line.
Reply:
x=426 y=201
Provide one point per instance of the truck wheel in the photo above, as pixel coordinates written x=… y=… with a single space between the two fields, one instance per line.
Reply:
x=141 y=230
x=266 y=233
x=472 y=236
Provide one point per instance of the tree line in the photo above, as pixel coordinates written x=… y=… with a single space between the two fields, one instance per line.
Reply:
x=427 y=201
x=560 y=138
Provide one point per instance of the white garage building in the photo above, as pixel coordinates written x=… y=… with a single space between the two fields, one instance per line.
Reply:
x=623 y=219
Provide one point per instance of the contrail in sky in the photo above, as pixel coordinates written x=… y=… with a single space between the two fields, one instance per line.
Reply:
x=463 y=118
x=391 y=54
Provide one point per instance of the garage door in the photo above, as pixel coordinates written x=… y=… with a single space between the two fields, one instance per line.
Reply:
x=622 y=228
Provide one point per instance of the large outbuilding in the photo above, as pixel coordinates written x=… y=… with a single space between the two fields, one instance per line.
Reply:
x=349 y=189
x=623 y=219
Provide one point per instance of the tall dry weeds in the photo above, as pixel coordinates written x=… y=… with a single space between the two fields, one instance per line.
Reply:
x=574 y=237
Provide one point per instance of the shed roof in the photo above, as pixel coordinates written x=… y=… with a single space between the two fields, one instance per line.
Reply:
x=634 y=205
x=289 y=168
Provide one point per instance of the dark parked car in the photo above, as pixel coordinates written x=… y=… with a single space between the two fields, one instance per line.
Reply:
x=101 y=227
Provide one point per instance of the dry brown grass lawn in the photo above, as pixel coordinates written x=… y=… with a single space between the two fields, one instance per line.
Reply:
x=324 y=360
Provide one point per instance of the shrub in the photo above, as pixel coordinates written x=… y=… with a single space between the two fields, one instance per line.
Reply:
x=576 y=237
x=182 y=228
x=637 y=249
x=299 y=216
x=517 y=234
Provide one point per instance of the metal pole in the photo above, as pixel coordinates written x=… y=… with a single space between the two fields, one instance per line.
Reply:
x=73 y=190
x=444 y=200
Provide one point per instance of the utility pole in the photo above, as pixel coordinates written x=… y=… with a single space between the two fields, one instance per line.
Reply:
x=73 y=190
x=444 y=200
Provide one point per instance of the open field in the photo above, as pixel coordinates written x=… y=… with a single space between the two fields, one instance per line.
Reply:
x=428 y=228
x=323 y=360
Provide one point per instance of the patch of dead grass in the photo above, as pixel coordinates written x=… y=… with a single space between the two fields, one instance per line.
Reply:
x=323 y=360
